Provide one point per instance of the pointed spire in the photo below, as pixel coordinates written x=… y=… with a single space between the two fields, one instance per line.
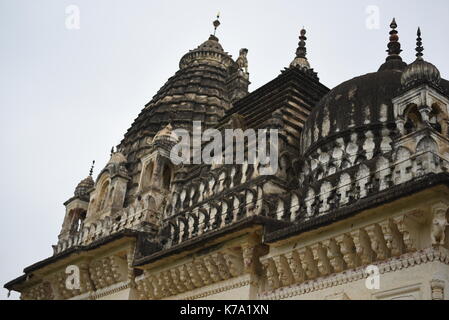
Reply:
x=419 y=48
x=394 y=60
x=394 y=46
x=91 y=172
x=420 y=71
x=216 y=23
x=301 y=53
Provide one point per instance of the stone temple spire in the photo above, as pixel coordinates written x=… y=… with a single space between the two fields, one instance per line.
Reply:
x=91 y=172
x=216 y=23
x=393 y=60
x=301 y=53
x=420 y=71
x=394 y=46
x=419 y=48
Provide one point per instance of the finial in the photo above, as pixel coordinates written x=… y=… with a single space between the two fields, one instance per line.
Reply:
x=301 y=52
x=92 y=168
x=112 y=151
x=216 y=23
x=394 y=47
x=419 y=48
x=393 y=24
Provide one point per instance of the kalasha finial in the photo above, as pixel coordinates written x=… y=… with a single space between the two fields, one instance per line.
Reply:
x=301 y=52
x=394 y=47
x=216 y=23
x=419 y=48
x=91 y=172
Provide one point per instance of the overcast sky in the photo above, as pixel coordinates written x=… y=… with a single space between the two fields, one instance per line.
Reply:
x=68 y=95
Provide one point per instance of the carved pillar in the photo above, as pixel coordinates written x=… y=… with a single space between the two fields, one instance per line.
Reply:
x=439 y=224
x=221 y=265
x=334 y=255
x=271 y=273
x=252 y=249
x=86 y=283
x=437 y=289
x=212 y=269
x=308 y=263
x=363 y=246
x=348 y=251
x=378 y=243
x=393 y=237
x=184 y=276
x=161 y=289
x=203 y=272
x=168 y=280
x=320 y=255
x=249 y=257
x=180 y=285
x=285 y=274
x=234 y=261
x=403 y=225
x=130 y=259
x=194 y=276
x=145 y=287
x=296 y=266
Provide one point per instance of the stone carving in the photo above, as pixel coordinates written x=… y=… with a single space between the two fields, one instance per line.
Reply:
x=437 y=288
x=242 y=60
x=439 y=224
x=361 y=247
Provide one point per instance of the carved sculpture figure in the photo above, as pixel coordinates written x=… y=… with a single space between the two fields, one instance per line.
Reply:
x=242 y=60
x=439 y=225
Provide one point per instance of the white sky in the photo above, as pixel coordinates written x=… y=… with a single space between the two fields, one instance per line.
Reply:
x=68 y=96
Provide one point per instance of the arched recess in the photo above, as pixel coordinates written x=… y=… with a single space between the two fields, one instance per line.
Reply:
x=402 y=153
x=427 y=144
x=413 y=119
x=76 y=220
x=103 y=192
x=167 y=176
x=438 y=119
x=147 y=175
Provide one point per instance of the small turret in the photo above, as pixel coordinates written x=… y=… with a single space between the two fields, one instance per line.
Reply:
x=420 y=71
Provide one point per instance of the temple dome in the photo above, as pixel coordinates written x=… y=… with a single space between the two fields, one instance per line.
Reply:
x=419 y=72
x=201 y=90
x=83 y=188
x=166 y=134
x=359 y=102
x=210 y=52
x=211 y=44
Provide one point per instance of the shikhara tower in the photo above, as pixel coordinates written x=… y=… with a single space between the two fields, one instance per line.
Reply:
x=362 y=182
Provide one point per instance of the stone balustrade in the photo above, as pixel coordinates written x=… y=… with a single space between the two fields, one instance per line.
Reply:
x=359 y=247
x=128 y=218
x=346 y=187
x=197 y=273
x=214 y=215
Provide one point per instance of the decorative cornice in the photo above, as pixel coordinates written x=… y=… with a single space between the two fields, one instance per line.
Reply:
x=405 y=261
x=380 y=198
x=223 y=286
x=111 y=289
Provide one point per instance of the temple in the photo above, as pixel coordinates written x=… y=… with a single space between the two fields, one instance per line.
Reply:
x=361 y=191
